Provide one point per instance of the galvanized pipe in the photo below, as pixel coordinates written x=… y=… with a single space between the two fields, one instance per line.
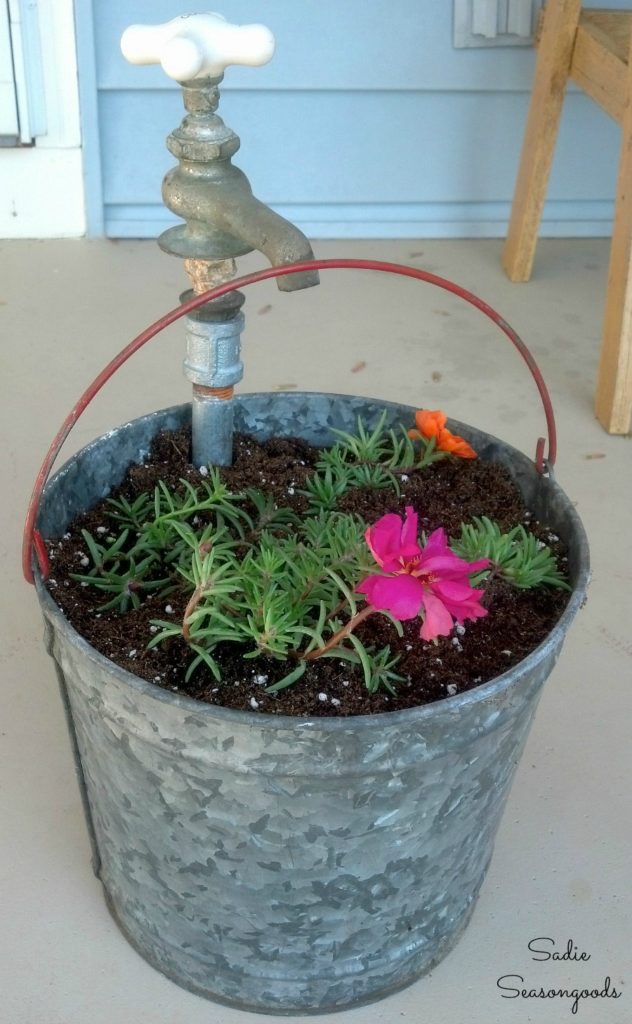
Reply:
x=213 y=366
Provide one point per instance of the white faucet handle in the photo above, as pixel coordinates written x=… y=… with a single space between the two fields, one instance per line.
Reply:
x=197 y=45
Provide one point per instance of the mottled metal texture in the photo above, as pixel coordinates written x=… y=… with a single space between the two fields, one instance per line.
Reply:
x=223 y=219
x=292 y=865
x=213 y=351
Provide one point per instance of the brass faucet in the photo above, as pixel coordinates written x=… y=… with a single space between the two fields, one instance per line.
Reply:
x=223 y=219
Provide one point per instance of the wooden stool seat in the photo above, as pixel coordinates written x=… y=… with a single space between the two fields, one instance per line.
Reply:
x=593 y=48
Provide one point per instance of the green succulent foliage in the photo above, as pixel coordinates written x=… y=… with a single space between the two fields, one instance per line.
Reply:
x=267 y=515
x=392 y=449
x=155 y=536
x=123 y=574
x=249 y=572
x=518 y=556
x=131 y=514
x=277 y=584
x=378 y=667
x=279 y=598
x=370 y=458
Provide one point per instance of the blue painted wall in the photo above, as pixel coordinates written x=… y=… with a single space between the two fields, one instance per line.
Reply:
x=367 y=124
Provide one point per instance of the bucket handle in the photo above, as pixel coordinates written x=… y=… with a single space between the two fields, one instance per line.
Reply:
x=32 y=541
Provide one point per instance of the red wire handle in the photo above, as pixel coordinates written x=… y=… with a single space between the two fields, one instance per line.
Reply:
x=32 y=539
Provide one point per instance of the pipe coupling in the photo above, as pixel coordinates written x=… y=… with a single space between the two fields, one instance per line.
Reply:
x=213 y=350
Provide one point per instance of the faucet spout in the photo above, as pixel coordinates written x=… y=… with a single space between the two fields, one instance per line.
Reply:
x=260 y=228
x=223 y=219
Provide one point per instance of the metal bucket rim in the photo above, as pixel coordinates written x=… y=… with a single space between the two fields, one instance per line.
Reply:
x=493 y=688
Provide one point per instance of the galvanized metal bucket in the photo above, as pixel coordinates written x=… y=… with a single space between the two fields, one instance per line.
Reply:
x=279 y=864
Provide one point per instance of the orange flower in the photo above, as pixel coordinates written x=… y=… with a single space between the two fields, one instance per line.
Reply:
x=432 y=423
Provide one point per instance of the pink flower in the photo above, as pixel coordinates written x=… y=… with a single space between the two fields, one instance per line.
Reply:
x=429 y=581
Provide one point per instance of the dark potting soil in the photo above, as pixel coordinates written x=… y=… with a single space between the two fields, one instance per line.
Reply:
x=446 y=494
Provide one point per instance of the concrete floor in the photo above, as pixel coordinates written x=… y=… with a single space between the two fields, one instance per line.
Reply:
x=561 y=868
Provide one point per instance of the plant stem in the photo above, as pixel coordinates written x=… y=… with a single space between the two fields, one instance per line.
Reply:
x=193 y=602
x=334 y=641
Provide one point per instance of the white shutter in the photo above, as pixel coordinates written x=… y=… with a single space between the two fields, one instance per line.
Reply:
x=9 y=128
x=494 y=22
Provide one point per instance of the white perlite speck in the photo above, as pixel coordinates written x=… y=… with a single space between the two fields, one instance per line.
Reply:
x=132 y=653
x=459 y=628
x=85 y=560
x=506 y=652
x=102 y=529
x=254 y=704
x=153 y=629
x=451 y=688
x=169 y=609
x=457 y=643
x=260 y=680
x=323 y=696
x=335 y=701
x=404 y=478
x=203 y=470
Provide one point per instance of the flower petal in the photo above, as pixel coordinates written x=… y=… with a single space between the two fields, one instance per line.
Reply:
x=438 y=557
x=456 y=446
x=482 y=563
x=448 y=566
x=430 y=422
x=409 y=530
x=437 y=619
x=384 y=538
x=391 y=542
x=437 y=543
x=451 y=590
x=366 y=587
x=402 y=596
x=461 y=600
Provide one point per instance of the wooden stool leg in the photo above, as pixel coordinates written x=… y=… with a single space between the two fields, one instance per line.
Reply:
x=555 y=52
x=613 y=400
